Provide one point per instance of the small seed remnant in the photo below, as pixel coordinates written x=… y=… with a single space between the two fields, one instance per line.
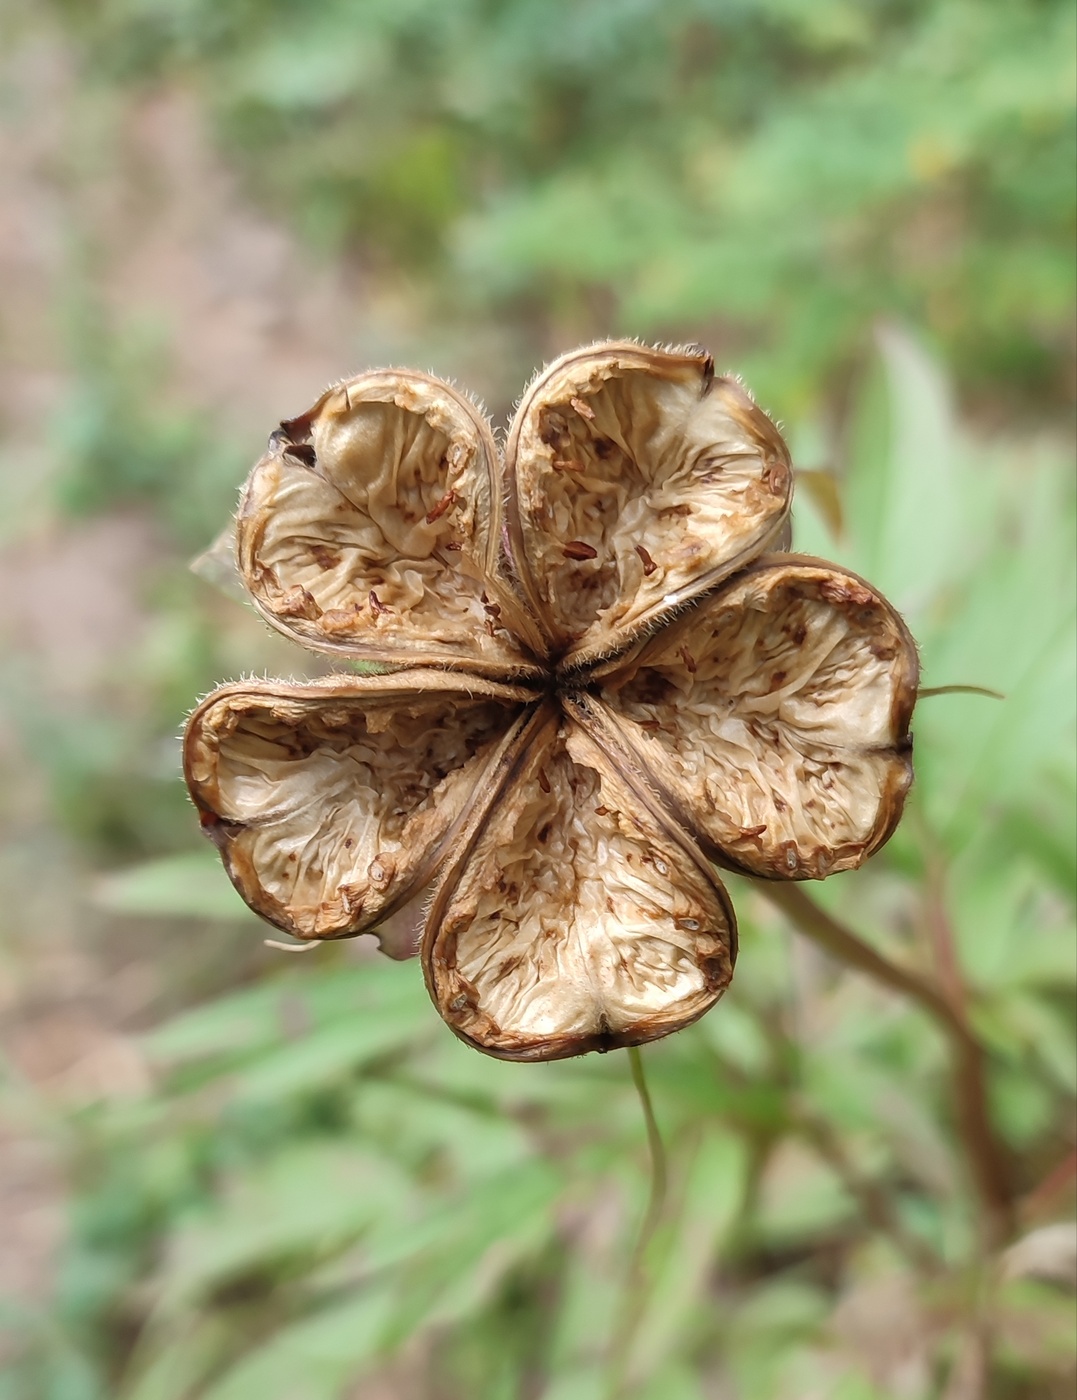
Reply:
x=579 y=549
x=583 y=409
x=446 y=502
x=377 y=607
x=689 y=660
x=648 y=563
x=776 y=478
x=298 y=602
x=601 y=811
x=567 y=464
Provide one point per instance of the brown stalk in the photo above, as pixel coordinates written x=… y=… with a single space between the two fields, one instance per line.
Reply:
x=986 y=1157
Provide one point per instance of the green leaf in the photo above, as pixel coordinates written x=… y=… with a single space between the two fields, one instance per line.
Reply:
x=192 y=885
x=300 y=1207
x=315 y=1358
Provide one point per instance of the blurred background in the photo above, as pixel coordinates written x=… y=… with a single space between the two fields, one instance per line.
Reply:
x=228 y=1174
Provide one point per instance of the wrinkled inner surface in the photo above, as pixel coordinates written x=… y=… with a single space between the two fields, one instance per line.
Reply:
x=768 y=714
x=376 y=533
x=341 y=805
x=634 y=488
x=576 y=918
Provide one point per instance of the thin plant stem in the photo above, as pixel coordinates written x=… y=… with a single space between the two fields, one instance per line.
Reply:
x=986 y=1156
x=634 y=1293
x=656 y=1200
x=841 y=943
x=988 y=1161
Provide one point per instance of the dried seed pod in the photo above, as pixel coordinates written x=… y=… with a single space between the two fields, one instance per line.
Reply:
x=333 y=802
x=618 y=691
x=576 y=920
x=371 y=528
x=774 y=718
x=677 y=479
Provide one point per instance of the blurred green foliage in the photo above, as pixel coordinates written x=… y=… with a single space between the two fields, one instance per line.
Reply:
x=788 y=171
x=318 y=1193
x=123 y=440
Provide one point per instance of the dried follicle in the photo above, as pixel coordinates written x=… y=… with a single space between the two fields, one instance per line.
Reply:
x=579 y=713
x=576 y=920
x=371 y=527
x=331 y=803
x=783 y=732
x=669 y=481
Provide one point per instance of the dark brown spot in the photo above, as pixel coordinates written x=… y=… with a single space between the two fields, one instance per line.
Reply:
x=377 y=607
x=844 y=591
x=799 y=634
x=436 y=512
x=348 y=843
x=601 y=811
x=543 y=780
x=648 y=563
x=302 y=452
x=579 y=549
x=688 y=659
x=747 y=832
x=324 y=557
x=777 y=680
x=604 y=448
x=649 y=724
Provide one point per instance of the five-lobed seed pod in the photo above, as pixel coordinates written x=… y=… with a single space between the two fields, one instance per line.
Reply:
x=594 y=682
